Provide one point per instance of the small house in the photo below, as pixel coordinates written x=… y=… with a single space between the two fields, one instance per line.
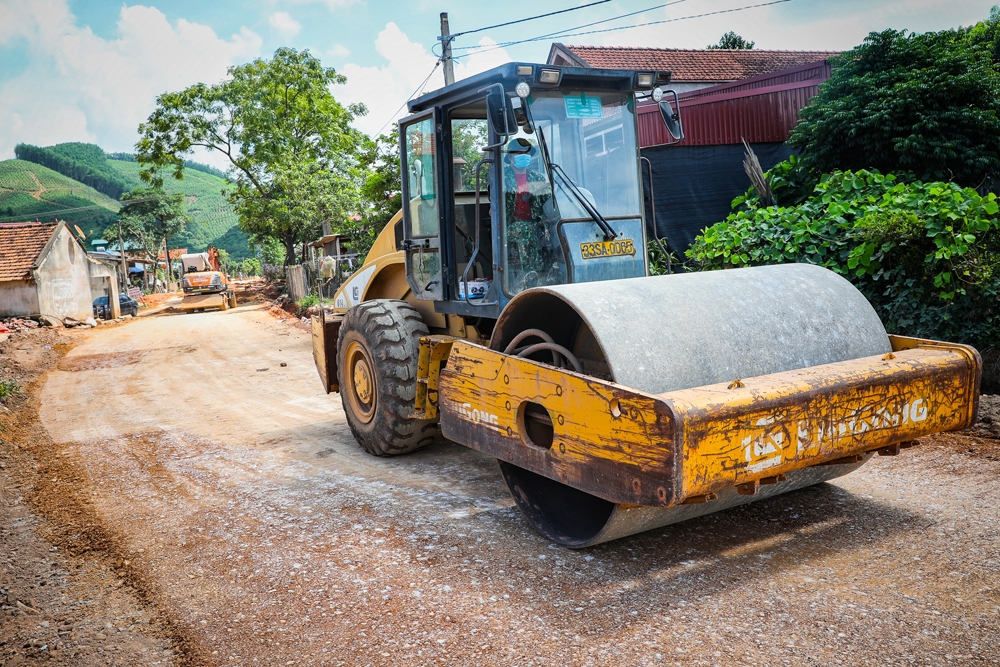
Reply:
x=45 y=270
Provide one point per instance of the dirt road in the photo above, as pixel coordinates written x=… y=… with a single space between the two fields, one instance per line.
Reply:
x=249 y=518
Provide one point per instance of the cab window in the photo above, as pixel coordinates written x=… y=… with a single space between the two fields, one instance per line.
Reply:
x=424 y=218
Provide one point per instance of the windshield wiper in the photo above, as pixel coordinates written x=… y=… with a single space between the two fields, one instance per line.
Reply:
x=554 y=168
x=609 y=233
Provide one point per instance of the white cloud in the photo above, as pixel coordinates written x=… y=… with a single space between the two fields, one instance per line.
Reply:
x=384 y=89
x=338 y=51
x=284 y=24
x=81 y=87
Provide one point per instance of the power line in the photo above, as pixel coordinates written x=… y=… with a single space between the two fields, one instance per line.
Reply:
x=628 y=27
x=585 y=25
x=412 y=95
x=530 y=18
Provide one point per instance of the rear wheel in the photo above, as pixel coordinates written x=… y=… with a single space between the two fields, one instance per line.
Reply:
x=377 y=372
x=232 y=299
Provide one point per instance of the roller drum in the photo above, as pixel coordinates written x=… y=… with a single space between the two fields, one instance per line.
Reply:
x=665 y=333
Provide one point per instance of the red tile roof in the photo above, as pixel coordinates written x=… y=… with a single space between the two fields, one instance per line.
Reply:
x=20 y=244
x=174 y=254
x=698 y=64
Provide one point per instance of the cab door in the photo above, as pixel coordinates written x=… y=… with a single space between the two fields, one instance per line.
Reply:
x=422 y=205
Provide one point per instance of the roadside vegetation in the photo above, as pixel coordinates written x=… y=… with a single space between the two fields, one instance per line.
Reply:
x=893 y=186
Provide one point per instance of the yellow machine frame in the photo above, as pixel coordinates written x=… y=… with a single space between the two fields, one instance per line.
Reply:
x=631 y=447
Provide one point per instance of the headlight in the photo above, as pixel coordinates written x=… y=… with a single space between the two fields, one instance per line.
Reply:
x=657 y=94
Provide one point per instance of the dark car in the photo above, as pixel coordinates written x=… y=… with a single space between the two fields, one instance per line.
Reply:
x=127 y=304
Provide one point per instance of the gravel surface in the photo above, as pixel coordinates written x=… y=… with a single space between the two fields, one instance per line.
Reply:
x=243 y=515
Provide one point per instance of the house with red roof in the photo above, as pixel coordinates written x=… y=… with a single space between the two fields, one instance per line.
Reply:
x=45 y=270
x=726 y=97
x=691 y=69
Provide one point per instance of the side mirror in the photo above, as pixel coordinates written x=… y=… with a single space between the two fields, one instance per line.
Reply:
x=500 y=112
x=672 y=118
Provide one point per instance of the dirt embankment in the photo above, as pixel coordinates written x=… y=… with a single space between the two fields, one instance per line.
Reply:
x=67 y=596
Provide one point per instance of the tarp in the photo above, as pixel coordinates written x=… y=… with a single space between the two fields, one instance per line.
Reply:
x=694 y=186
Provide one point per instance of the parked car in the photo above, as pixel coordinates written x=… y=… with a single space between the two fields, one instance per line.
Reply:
x=127 y=304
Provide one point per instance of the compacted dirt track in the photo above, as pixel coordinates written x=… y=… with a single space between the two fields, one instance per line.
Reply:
x=247 y=520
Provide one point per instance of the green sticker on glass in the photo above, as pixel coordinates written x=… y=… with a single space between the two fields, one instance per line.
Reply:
x=581 y=106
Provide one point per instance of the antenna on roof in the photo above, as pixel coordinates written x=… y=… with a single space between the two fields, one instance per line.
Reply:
x=80 y=232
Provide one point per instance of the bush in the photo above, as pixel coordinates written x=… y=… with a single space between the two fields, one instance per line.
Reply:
x=8 y=388
x=922 y=102
x=926 y=255
x=307 y=302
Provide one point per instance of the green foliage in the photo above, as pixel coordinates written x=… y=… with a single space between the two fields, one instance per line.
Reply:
x=926 y=255
x=188 y=164
x=922 y=103
x=150 y=214
x=307 y=302
x=279 y=125
x=30 y=191
x=8 y=388
x=381 y=196
x=213 y=221
x=250 y=267
x=81 y=162
x=658 y=259
x=732 y=41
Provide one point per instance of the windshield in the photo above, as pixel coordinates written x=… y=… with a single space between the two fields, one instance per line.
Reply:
x=592 y=137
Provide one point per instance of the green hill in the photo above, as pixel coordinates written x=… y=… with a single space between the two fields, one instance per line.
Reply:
x=213 y=219
x=29 y=191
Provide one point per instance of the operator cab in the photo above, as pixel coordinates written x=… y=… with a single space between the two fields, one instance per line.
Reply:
x=524 y=176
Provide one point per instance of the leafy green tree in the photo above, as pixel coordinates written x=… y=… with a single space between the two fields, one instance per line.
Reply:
x=925 y=104
x=732 y=41
x=277 y=123
x=151 y=216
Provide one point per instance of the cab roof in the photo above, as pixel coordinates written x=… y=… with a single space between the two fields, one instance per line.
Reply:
x=571 y=78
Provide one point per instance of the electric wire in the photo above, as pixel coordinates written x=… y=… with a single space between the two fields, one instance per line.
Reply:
x=585 y=25
x=627 y=27
x=530 y=18
x=412 y=95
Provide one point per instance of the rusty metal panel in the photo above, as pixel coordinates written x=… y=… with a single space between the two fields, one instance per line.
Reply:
x=764 y=427
x=433 y=354
x=325 y=331
x=607 y=440
x=763 y=109
x=629 y=447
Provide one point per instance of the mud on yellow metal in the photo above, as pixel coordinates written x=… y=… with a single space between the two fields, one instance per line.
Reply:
x=578 y=451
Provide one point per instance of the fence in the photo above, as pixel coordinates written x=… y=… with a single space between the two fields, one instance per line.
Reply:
x=305 y=279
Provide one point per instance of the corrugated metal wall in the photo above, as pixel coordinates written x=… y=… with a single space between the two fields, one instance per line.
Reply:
x=763 y=109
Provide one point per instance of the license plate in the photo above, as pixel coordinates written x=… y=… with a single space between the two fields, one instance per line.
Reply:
x=614 y=248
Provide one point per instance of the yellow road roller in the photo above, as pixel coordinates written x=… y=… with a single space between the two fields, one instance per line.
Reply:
x=508 y=307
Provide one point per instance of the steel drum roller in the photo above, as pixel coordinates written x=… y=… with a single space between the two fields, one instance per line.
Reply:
x=664 y=333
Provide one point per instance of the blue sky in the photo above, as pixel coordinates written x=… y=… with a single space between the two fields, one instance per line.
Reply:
x=89 y=70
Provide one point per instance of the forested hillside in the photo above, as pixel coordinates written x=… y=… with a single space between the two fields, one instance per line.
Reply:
x=30 y=191
x=213 y=220
x=78 y=182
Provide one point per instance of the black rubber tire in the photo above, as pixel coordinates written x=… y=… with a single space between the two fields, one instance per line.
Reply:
x=388 y=332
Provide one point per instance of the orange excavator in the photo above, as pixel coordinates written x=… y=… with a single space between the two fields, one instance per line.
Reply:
x=205 y=284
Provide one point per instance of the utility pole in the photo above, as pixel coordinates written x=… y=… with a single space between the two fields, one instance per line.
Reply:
x=121 y=251
x=449 y=64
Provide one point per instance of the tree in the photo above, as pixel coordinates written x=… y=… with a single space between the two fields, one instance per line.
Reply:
x=732 y=41
x=278 y=125
x=919 y=103
x=150 y=216
x=381 y=195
